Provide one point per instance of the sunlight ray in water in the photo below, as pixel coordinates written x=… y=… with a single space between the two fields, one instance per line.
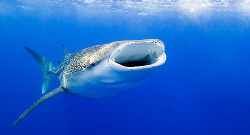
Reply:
x=138 y=7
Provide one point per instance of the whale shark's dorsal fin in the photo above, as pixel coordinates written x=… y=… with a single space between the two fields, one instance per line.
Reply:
x=47 y=68
x=65 y=50
x=38 y=102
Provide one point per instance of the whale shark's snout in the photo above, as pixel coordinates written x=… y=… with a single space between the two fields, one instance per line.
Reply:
x=139 y=54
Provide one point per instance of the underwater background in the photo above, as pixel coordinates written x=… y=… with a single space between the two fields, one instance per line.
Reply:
x=203 y=88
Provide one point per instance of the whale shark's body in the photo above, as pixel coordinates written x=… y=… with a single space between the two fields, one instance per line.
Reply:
x=101 y=71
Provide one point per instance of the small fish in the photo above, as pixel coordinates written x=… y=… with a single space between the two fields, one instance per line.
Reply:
x=100 y=71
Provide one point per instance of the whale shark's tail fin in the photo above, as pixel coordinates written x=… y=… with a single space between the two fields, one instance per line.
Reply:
x=47 y=68
x=38 y=102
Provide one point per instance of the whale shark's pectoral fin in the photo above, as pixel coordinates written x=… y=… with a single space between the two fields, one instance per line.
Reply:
x=66 y=52
x=46 y=66
x=38 y=102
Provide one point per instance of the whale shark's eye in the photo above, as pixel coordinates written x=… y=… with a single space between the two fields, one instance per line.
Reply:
x=135 y=55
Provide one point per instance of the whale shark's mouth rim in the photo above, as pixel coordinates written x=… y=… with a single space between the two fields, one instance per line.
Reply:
x=139 y=54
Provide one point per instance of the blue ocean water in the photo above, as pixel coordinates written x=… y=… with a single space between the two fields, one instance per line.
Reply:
x=203 y=88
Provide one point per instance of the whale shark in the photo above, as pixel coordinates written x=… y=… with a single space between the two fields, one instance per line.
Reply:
x=100 y=71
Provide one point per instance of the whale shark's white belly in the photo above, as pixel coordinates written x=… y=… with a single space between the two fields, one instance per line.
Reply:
x=104 y=81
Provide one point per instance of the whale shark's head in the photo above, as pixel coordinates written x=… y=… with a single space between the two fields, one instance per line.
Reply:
x=138 y=55
x=118 y=66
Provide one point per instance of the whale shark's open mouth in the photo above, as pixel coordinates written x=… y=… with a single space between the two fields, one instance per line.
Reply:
x=140 y=55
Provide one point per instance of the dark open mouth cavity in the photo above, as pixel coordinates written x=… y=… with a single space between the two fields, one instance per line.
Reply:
x=135 y=63
x=136 y=55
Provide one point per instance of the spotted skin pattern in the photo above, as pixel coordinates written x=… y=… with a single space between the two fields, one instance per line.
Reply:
x=90 y=56
x=83 y=59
